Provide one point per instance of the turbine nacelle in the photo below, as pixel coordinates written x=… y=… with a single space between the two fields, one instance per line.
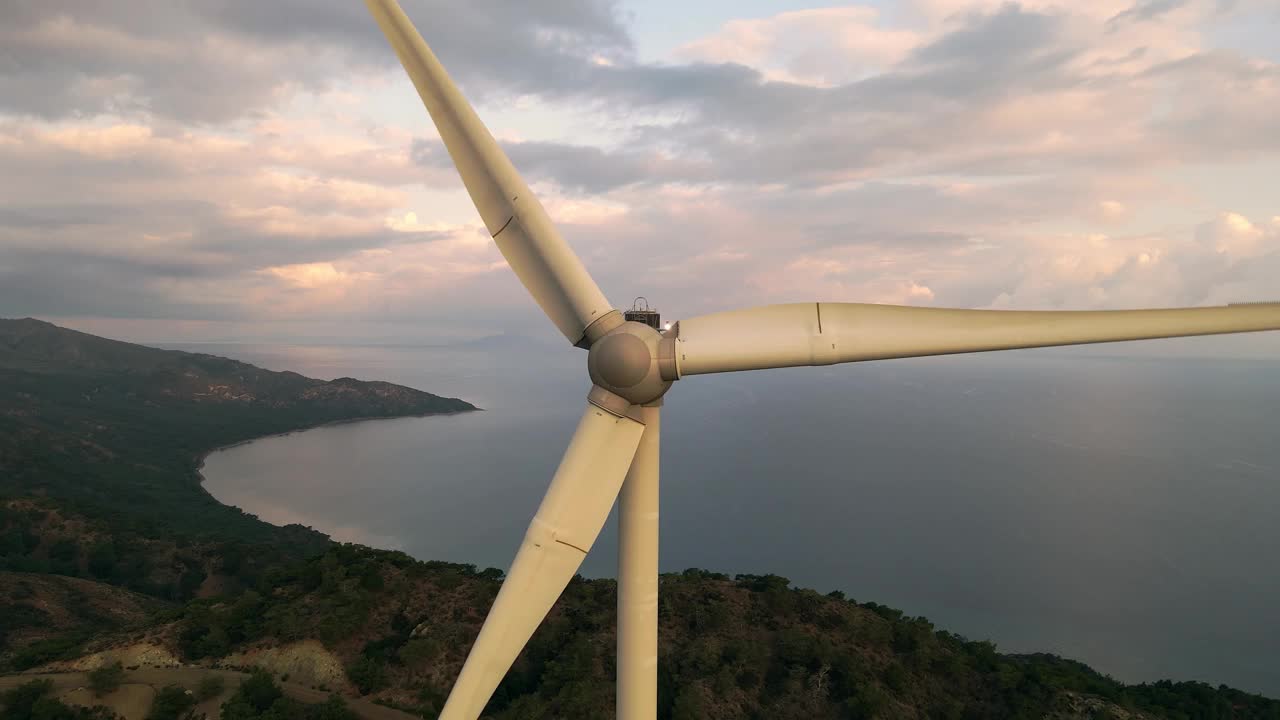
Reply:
x=627 y=363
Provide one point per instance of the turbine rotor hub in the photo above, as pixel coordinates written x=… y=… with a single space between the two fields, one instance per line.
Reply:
x=625 y=362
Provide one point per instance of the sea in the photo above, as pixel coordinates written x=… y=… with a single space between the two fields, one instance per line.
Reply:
x=1119 y=510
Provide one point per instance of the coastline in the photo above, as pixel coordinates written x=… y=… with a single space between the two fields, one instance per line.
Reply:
x=201 y=457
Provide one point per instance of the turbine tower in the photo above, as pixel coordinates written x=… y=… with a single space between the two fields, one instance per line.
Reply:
x=614 y=450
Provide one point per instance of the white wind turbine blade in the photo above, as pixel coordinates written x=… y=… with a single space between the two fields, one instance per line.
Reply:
x=537 y=253
x=827 y=333
x=568 y=521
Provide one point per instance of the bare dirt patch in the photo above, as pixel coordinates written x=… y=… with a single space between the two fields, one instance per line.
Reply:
x=306 y=663
x=137 y=655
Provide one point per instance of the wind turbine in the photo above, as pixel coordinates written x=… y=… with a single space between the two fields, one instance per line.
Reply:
x=614 y=450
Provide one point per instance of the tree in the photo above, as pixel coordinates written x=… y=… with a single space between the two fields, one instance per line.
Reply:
x=102 y=560
x=688 y=704
x=368 y=674
x=259 y=698
x=335 y=708
x=418 y=651
x=30 y=701
x=106 y=678
x=371 y=578
x=19 y=701
x=259 y=691
x=171 y=703
x=64 y=550
x=211 y=686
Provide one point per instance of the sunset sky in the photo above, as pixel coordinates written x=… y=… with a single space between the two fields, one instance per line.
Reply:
x=248 y=170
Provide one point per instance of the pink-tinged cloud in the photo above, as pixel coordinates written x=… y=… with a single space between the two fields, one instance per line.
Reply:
x=935 y=152
x=822 y=47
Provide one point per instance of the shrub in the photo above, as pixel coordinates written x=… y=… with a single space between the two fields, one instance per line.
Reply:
x=106 y=679
x=895 y=677
x=259 y=691
x=30 y=701
x=368 y=674
x=19 y=701
x=171 y=703
x=210 y=687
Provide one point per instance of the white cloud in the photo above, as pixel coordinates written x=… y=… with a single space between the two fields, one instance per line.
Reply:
x=935 y=152
x=1236 y=238
x=313 y=276
x=821 y=47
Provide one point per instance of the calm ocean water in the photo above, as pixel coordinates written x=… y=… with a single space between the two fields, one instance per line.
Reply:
x=1124 y=512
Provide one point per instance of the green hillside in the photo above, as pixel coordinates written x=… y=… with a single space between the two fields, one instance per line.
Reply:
x=116 y=430
x=111 y=551
x=101 y=443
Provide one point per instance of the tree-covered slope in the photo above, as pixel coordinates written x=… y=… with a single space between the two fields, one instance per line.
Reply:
x=117 y=430
x=743 y=647
x=100 y=446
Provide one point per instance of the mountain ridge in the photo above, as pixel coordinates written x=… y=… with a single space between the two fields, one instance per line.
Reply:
x=115 y=433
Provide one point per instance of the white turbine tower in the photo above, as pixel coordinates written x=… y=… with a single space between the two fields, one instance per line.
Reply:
x=614 y=451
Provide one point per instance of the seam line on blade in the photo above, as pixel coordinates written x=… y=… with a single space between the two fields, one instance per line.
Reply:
x=575 y=547
x=504 y=227
x=818 y=306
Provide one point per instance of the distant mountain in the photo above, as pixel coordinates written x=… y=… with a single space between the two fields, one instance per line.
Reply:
x=39 y=346
x=152 y=376
x=113 y=434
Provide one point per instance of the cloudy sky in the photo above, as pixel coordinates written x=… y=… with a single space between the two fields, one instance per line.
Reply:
x=241 y=170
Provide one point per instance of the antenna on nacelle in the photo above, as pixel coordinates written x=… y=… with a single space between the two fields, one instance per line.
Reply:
x=646 y=315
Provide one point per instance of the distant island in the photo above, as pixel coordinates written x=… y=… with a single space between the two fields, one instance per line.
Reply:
x=114 y=559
